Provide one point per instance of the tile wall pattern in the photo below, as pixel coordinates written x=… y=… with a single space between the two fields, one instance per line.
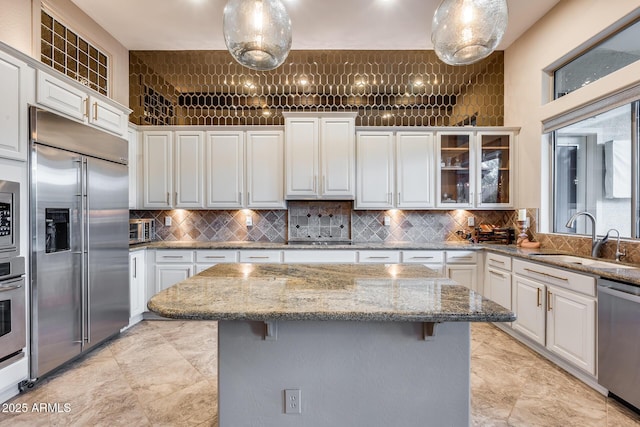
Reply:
x=386 y=88
x=319 y=220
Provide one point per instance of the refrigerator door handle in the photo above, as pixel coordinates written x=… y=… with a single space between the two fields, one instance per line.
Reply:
x=85 y=258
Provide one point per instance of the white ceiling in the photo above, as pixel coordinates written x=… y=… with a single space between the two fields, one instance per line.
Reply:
x=317 y=24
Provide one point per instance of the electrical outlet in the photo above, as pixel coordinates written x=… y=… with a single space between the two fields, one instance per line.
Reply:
x=387 y=221
x=167 y=221
x=249 y=221
x=292 y=401
x=471 y=221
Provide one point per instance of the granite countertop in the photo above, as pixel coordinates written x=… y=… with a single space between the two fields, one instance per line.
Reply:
x=358 y=292
x=631 y=276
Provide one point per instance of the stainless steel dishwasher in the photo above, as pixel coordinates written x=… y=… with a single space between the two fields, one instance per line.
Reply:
x=619 y=340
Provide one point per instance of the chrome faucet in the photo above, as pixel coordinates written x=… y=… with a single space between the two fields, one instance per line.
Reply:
x=596 y=245
x=619 y=255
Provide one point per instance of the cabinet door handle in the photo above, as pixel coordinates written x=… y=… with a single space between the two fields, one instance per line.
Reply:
x=315 y=183
x=135 y=268
x=539 y=302
x=95 y=111
x=324 y=184
x=168 y=195
x=240 y=197
x=85 y=107
x=546 y=274
x=175 y=200
x=549 y=308
x=497 y=274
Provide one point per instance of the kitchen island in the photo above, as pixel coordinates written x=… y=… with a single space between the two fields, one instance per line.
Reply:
x=373 y=345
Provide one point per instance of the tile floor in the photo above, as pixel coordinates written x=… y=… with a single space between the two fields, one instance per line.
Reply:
x=163 y=373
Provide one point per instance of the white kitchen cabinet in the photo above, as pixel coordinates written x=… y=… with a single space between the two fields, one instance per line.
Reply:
x=225 y=169
x=157 y=148
x=265 y=169
x=474 y=169
x=414 y=170
x=16 y=85
x=569 y=322
x=571 y=327
x=171 y=267
x=320 y=155
x=432 y=259
x=261 y=256
x=206 y=258
x=379 y=257
x=189 y=169
x=137 y=286
x=320 y=256
x=395 y=171
x=173 y=169
x=133 y=165
x=529 y=304
x=497 y=279
x=375 y=170
x=461 y=266
x=79 y=104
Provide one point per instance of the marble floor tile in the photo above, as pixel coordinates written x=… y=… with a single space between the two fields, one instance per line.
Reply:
x=164 y=373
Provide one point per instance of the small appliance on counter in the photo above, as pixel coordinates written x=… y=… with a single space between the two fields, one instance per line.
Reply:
x=493 y=234
x=141 y=230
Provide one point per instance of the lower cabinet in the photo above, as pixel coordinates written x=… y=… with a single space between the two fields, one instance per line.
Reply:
x=137 y=285
x=172 y=266
x=462 y=267
x=556 y=308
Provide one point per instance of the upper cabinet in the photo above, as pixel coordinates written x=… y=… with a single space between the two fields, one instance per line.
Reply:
x=394 y=171
x=16 y=86
x=77 y=103
x=173 y=169
x=474 y=169
x=217 y=169
x=320 y=155
x=134 y=165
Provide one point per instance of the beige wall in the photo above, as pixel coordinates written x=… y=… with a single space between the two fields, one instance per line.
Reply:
x=16 y=23
x=565 y=29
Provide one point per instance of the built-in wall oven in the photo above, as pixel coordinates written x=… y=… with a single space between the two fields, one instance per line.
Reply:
x=12 y=310
x=9 y=219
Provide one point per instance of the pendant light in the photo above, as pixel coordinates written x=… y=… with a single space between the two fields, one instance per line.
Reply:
x=257 y=32
x=466 y=31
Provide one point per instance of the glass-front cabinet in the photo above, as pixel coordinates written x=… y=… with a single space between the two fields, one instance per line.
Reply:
x=455 y=160
x=474 y=169
x=495 y=158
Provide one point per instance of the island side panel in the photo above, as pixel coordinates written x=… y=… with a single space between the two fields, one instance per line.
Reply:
x=349 y=373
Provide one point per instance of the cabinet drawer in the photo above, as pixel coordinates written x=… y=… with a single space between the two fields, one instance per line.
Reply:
x=260 y=256
x=422 y=257
x=385 y=257
x=556 y=276
x=215 y=257
x=498 y=261
x=320 y=256
x=172 y=256
x=462 y=257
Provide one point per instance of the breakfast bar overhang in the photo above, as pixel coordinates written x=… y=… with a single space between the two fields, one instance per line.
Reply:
x=336 y=344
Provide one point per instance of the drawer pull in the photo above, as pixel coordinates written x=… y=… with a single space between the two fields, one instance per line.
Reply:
x=497 y=274
x=378 y=257
x=462 y=257
x=172 y=256
x=546 y=274
x=539 y=302
x=422 y=257
x=215 y=257
x=496 y=261
x=258 y=257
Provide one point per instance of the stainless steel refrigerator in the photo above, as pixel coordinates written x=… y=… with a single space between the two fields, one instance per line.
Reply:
x=79 y=239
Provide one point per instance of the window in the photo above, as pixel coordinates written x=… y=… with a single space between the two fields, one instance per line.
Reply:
x=602 y=59
x=67 y=52
x=594 y=170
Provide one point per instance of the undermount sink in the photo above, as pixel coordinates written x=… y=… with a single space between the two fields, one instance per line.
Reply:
x=587 y=262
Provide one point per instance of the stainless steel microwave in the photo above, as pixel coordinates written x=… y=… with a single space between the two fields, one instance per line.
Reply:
x=141 y=230
x=9 y=219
